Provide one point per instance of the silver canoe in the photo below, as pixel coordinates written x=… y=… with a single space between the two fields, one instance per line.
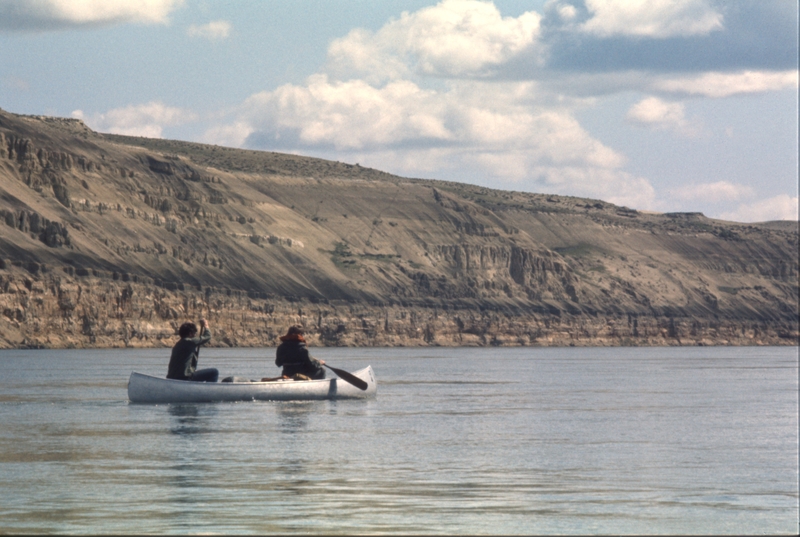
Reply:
x=149 y=389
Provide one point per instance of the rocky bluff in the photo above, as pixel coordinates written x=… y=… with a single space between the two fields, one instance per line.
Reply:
x=109 y=241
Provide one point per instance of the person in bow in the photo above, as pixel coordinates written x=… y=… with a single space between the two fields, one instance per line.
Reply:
x=292 y=355
x=183 y=362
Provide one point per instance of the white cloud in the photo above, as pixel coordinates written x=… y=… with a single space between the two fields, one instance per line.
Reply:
x=730 y=201
x=346 y=115
x=612 y=185
x=453 y=38
x=424 y=96
x=718 y=84
x=782 y=207
x=486 y=119
x=137 y=120
x=566 y=12
x=232 y=135
x=469 y=131
x=657 y=114
x=721 y=191
x=502 y=132
x=212 y=31
x=651 y=18
x=47 y=14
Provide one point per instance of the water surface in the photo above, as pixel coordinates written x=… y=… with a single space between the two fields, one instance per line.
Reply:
x=493 y=441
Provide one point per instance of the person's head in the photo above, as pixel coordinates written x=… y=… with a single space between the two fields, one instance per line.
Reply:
x=295 y=333
x=294 y=330
x=187 y=330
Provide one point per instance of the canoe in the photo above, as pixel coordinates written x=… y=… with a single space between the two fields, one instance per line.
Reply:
x=149 y=389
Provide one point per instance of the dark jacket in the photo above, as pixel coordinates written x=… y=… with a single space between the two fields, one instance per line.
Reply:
x=183 y=361
x=293 y=356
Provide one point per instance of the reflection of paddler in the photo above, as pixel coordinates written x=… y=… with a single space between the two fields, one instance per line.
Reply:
x=183 y=362
x=293 y=356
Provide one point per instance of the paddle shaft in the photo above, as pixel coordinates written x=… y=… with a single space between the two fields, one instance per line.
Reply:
x=202 y=331
x=349 y=377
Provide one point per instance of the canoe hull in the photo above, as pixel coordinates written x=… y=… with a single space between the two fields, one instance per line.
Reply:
x=149 y=389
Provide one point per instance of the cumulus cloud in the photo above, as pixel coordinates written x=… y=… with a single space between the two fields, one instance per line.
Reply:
x=212 y=31
x=782 y=207
x=53 y=14
x=228 y=135
x=612 y=185
x=453 y=38
x=469 y=131
x=376 y=106
x=735 y=202
x=344 y=115
x=137 y=120
x=657 y=114
x=457 y=91
x=481 y=119
x=719 y=84
x=651 y=18
x=679 y=36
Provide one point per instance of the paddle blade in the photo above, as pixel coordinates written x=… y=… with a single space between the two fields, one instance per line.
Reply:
x=349 y=377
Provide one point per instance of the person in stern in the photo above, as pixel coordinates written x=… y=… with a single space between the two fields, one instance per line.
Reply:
x=183 y=362
x=293 y=356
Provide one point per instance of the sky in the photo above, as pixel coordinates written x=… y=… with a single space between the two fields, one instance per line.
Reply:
x=656 y=105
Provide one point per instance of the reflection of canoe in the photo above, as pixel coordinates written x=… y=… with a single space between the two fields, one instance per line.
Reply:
x=149 y=389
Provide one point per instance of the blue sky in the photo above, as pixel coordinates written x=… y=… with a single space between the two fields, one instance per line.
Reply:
x=660 y=105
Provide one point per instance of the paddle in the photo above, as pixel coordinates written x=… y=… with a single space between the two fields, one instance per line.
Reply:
x=349 y=377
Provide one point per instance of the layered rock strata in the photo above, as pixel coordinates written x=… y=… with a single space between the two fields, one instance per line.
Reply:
x=57 y=311
x=113 y=241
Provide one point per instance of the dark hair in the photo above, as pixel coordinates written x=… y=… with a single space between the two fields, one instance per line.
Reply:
x=187 y=330
x=295 y=330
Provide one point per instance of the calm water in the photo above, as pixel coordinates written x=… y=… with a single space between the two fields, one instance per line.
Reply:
x=613 y=441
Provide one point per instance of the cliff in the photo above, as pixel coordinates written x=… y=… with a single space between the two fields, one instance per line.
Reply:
x=114 y=241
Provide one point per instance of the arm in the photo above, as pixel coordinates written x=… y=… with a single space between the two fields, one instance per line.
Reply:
x=201 y=340
x=205 y=334
x=313 y=360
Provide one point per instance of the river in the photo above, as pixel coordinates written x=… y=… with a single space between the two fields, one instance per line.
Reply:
x=700 y=440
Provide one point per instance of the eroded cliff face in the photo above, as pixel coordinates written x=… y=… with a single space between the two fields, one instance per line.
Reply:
x=109 y=240
x=56 y=311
